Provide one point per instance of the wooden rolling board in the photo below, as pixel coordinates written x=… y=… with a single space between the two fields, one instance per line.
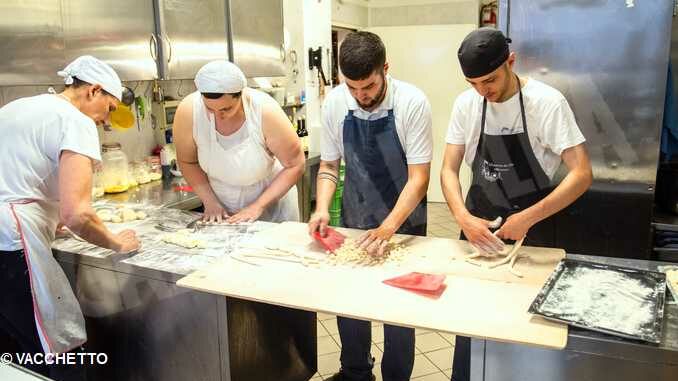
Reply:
x=490 y=304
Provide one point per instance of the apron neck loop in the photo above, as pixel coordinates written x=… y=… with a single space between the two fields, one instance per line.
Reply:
x=522 y=110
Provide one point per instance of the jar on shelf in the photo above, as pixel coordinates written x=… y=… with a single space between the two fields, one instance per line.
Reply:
x=140 y=172
x=154 y=167
x=97 y=182
x=115 y=169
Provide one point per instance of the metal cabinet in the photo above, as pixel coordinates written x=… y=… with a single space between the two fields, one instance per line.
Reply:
x=119 y=33
x=190 y=34
x=258 y=37
x=30 y=28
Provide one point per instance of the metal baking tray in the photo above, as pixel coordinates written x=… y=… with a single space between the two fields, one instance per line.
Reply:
x=615 y=300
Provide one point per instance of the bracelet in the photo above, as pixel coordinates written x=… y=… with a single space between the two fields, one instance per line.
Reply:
x=328 y=174
x=326 y=177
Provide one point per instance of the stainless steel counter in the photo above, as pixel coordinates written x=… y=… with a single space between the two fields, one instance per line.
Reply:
x=161 y=193
x=153 y=330
x=589 y=355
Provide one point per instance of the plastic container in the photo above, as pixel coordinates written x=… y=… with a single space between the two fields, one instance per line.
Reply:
x=115 y=170
x=335 y=206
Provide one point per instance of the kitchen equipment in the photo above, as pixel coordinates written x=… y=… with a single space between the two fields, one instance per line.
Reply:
x=610 y=299
x=331 y=241
x=163 y=114
x=122 y=118
x=115 y=169
x=277 y=93
x=666 y=195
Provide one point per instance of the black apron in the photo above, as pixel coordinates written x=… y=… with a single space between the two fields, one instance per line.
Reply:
x=507 y=178
x=376 y=173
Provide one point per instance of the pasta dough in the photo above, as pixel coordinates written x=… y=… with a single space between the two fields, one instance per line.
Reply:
x=121 y=214
x=183 y=238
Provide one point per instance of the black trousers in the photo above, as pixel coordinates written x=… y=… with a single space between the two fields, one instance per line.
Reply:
x=461 y=362
x=18 y=333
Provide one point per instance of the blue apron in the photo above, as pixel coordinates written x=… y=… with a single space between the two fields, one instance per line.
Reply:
x=376 y=173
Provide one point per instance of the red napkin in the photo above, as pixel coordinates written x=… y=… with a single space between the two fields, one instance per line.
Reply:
x=425 y=284
x=332 y=241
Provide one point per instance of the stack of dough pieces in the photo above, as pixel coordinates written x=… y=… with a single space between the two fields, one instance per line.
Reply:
x=120 y=215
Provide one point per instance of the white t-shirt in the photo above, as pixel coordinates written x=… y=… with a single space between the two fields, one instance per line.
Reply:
x=411 y=110
x=33 y=133
x=551 y=125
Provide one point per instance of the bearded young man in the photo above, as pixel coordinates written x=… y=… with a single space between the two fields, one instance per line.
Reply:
x=381 y=127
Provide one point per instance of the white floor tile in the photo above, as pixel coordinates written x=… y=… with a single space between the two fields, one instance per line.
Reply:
x=377 y=354
x=327 y=345
x=331 y=326
x=422 y=366
x=450 y=337
x=420 y=331
x=381 y=347
x=433 y=377
x=337 y=339
x=442 y=358
x=431 y=341
x=321 y=330
x=378 y=334
x=328 y=364
x=377 y=372
x=324 y=316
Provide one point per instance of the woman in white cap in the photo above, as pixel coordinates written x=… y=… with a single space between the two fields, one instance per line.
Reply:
x=237 y=149
x=50 y=143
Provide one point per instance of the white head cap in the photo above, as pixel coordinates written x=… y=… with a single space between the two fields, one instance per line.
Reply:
x=94 y=72
x=220 y=77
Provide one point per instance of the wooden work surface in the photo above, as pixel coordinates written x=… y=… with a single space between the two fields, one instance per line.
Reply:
x=478 y=302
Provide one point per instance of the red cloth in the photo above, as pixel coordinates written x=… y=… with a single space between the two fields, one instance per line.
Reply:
x=425 y=284
x=331 y=241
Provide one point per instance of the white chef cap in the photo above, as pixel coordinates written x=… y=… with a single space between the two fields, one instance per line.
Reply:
x=94 y=72
x=221 y=77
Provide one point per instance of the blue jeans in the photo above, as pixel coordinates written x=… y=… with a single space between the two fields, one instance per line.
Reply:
x=356 y=360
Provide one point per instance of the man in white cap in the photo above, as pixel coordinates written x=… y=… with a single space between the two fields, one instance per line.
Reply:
x=50 y=144
x=237 y=149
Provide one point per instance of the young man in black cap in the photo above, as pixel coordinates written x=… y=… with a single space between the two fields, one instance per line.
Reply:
x=381 y=127
x=514 y=133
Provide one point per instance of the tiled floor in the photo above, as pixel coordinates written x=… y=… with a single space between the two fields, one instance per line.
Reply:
x=433 y=354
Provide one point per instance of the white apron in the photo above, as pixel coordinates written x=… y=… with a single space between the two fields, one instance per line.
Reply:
x=240 y=174
x=58 y=318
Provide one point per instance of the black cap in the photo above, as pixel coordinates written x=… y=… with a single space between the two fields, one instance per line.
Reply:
x=483 y=51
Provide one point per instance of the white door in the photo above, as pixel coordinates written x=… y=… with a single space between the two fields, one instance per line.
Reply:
x=426 y=56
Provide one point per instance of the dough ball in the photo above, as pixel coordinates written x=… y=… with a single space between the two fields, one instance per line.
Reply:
x=105 y=215
x=128 y=215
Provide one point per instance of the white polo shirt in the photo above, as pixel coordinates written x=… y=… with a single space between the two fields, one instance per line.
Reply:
x=551 y=125
x=411 y=110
